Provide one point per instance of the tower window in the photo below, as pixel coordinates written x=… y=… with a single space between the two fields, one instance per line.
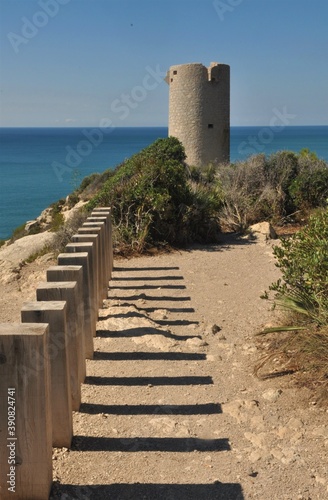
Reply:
x=175 y=72
x=210 y=125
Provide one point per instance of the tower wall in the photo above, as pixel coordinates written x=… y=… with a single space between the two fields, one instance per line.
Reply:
x=199 y=111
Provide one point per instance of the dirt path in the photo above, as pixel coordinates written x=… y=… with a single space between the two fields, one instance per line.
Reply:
x=171 y=409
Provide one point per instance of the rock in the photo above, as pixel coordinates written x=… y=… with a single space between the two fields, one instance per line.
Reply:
x=255 y=456
x=31 y=224
x=263 y=231
x=272 y=394
x=295 y=423
x=216 y=329
x=196 y=342
x=160 y=314
x=12 y=256
x=45 y=217
x=259 y=439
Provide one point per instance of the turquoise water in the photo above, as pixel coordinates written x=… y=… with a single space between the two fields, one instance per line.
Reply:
x=40 y=165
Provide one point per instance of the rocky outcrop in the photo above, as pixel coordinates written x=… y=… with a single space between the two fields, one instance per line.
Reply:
x=12 y=256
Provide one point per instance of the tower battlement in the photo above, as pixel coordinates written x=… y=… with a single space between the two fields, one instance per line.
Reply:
x=199 y=111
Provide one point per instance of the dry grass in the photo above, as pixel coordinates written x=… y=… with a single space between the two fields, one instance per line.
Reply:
x=302 y=352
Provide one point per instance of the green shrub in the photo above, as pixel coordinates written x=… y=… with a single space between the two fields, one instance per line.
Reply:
x=156 y=199
x=153 y=202
x=282 y=169
x=310 y=189
x=200 y=221
x=57 y=222
x=87 y=181
x=303 y=262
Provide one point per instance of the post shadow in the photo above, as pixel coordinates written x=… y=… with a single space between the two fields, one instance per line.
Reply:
x=198 y=409
x=139 y=314
x=140 y=331
x=213 y=491
x=163 y=268
x=142 y=444
x=142 y=381
x=175 y=322
x=149 y=356
x=148 y=278
x=147 y=287
x=170 y=309
x=164 y=298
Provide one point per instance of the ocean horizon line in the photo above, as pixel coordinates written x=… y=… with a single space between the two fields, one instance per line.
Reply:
x=38 y=127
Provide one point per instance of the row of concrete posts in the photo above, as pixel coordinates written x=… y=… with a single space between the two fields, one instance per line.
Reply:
x=43 y=360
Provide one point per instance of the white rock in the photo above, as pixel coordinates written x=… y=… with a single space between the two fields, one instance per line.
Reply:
x=272 y=394
x=196 y=342
x=263 y=231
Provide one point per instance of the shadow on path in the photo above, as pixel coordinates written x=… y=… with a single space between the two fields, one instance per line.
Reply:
x=149 y=356
x=132 y=381
x=198 y=409
x=216 y=491
x=137 y=444
x=139 y=332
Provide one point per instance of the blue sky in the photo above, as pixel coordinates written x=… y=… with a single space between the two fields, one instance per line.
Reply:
x=80 y=62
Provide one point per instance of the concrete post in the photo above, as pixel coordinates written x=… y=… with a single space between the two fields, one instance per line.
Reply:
x=54 y=313
x=102 y=217
x=107 y=212
x=90 y=248
x=25 y=413
x=102 y=226
x=95 y=239
x=67 y=291
x=73 y=273
x=102 y=269
x=82 y=259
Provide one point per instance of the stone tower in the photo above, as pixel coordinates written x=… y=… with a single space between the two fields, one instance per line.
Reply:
x=199 y=111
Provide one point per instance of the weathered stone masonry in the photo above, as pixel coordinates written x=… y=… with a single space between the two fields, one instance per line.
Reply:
x=199 y=111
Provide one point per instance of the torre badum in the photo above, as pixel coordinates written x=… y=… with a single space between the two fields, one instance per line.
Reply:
x=199 y=111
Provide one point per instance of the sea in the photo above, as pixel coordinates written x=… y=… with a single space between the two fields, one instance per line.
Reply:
x=38 y=166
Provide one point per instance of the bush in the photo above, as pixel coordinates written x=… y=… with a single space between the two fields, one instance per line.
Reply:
x=152 y=200
x=282 y=169
x=303 y=262
x=248 y=195
x=272 y=188
x=302 y=293
x=310 y=189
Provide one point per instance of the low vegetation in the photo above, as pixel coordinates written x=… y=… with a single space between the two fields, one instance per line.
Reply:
x=302 y=293
x=155 y=202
